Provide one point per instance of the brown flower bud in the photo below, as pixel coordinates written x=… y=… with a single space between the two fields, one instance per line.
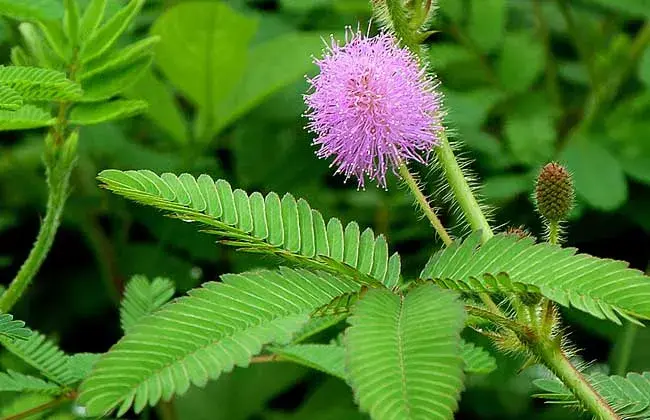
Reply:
x=554 y=192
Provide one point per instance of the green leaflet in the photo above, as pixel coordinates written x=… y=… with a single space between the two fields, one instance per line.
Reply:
x=95 y=113
x=28 y=116
x=32 y=9
x=44 y=356
x=141 y=297
x=629 y=396
x=13 y=329
x=403 y=357
x=37 y=84
x=195 y=338
x=603 y=288
x=17 y=382
x=10 y=99
x=476 y=359
x=330 y=358
x=104 y=38
x=286 y=227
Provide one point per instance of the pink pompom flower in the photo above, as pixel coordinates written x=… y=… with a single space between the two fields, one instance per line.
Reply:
x=373 y=107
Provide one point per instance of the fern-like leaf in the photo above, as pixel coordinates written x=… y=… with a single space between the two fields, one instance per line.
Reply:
x=603 y=288
x=17 y=382
x=286 y=227
x=629 y=396
x=328 y=358
x=13 y=329
x=44 y=356
x=37 y=84
x=25 y=117
x=10 y=100
x=142 y=297
x=477 y=359
x=317 y=325
x=402 y=353
x=195 y=338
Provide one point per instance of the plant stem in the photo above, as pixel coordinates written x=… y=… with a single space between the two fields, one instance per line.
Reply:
x=58 y=179
x=462 y=191
x=553 y=232
x=623 y=349
x=424 y=204
x=553 y=357
x=583 y=51
x=551 y=77
x=40 y=408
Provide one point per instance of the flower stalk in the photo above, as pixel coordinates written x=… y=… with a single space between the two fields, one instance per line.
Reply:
x=545 y=347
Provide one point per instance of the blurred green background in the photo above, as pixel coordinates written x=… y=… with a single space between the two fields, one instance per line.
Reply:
x=525 y=81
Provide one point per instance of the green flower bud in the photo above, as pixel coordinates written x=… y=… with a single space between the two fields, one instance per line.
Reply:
x=554 y=192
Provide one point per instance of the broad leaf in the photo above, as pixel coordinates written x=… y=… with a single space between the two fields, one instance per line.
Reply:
x=597 y=175
x=203 y=51
x=266 y=74
x=286 y=227
x=603 y=288
x=520 y=48
x=194 y=339
x=402 y=353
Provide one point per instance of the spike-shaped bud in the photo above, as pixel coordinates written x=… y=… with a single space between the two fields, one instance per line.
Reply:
x=554 y=192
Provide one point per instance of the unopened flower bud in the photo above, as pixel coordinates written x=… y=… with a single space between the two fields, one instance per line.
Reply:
x=554 y=192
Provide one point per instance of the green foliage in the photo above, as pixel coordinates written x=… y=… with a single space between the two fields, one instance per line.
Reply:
x=9 y=99
x=629 y=395
x=38 y=84
x=196 y=338
x=328 y=358
x=44 y=356
x=142 y=297
x=95 y=113
x=13 y=329
x=603 y=288
x=18 y=382
x=476 y=359
x=32 y=9
x=106 y=35
x=391 y=346
x=285 y=227
x=28 y=116
x=499 y=284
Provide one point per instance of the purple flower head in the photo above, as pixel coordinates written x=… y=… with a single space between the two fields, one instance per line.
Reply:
x=372 y=107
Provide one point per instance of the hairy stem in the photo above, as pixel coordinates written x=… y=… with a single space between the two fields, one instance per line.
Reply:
x=554 y=232
x=424 y=204
x=59 y=160
x=549 y=351
x=554 y=358
x=462 y=191
x=58 y=180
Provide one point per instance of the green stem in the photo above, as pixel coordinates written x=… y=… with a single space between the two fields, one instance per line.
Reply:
x=554 y=232
x=462 y=191
x=58 y=179
x=424 y=204
x=623 y=349
x=583 y=51
x=60 y=158
x=555 y=359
